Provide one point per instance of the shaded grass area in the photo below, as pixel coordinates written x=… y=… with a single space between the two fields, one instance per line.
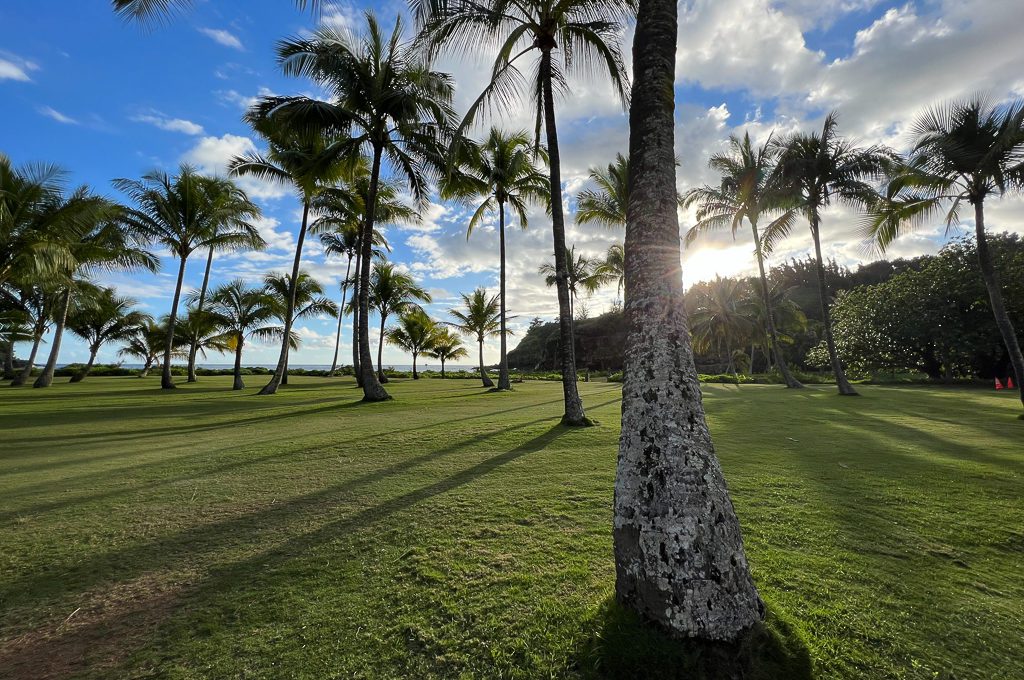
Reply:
x=458 y=533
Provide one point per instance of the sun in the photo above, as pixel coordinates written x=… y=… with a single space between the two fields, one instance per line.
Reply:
x=705 y=263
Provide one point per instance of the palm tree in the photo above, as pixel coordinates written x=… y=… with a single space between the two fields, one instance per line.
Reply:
x=415 y=333
x=614 y=267
x=814 y=170
x=479 y=317
x=230 y=210
x=585 y=275
x=242 y=313
x=607 y=204
x=446 y=346
x=566 y=37
x=721 y=320
x=145 y=11
x=748 y=189
x=38 y=304
x=787 y=316
x=147 y=343
x=390 y=102
x=963 y=151
x=679 y=558
x=391 y=292
x=103 y=318
x=307 y=300
x=200 y=331
x=501 y=170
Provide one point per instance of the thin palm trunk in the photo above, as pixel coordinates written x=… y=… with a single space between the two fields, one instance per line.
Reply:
x=380 y=351
x=483 y=371
x=9 y=361
x=146 y=367
x=442 y=369
x=193 y=349
x=26 y=372
x=415 y=375
x=773 y=336
x=284 y=373
x=503 y=380
x=356 y=365
x=842 y=383
x=341 y=315
x=372 y=389
x=282 y=362
x=238 y=384
x=574 y=414
x=995 y=296
x=81 y=375
x=166 y=382
x=679 y=556
x=46 y=377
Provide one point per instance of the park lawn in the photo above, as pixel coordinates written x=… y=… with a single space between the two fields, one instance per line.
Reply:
x=458 y=533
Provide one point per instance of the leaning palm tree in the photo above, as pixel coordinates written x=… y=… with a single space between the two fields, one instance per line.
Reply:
x=963 y=151
x=105 y=317
x=748 y=189
x=391 y=292
x=679 y=558
x=391 y=103
x=38 y=304
x=446 y=346
x=565 y=38
x=242 y=313
x=199 y=331
x=814 y=170
x=501 y=171
x=415 y=333
x=479 y=317
x=147 y=344
x=307 y=300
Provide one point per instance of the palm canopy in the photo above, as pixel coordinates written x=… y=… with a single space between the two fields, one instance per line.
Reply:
x=501 y=170
x=722 y=317
x=147 y=11
x=243 y=311
x=415 y=331
x=962 y=151
x=106 y=316
x=446 y=346
x=147 y=342
x=614 y=267
x=309 y=296
x=586 y=274
x=201 y=329
x=479 y=316
x=394 y=292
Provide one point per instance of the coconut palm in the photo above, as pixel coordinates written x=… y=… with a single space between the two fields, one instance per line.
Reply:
x=564 y=38
x=613 y=268
x=200 y=331
x=391 y=292
x=479 y=317
x=679 y=558
x=446 y=346
x=243 y=312
x=748 y=189
x=722 y=319
x=38 y=304
x=607 y=204
x=105 y=317
x=307 y=300
x=147 y=344
x=501 y=170
x=15 y=326
x=585 y=275
x=815 y=170
x=415 y=333
x=393 y=105
x=963 y=151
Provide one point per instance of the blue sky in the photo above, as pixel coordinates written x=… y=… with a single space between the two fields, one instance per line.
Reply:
x=104 y=99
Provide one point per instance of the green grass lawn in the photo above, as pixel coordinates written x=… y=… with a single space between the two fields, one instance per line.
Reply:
x=457 y=533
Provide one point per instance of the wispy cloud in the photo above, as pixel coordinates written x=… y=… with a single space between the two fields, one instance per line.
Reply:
x=169 y=124
x=56 y=115
x=13 y=67
x=225 y=38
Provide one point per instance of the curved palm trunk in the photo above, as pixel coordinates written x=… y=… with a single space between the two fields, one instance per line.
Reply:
x=372 y=388
x=995 y=296
x=80 y=376
x=773 y=336
x=483 y=371
x=46 y=377
x=843 y=385
x=166 y=382
x=356 y=315
x=574 y=414
x=679 y=557
x=503 y=381
x=380 y=352
x=193 y=349
x=238 y=384
x=22 y=377
x=341 y=314
x=145 y=369
x=282 y=362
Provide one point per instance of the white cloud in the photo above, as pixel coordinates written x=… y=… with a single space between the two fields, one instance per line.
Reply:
x=225 y=38
x=169 y=124
x=13 y=67
x=56 y=115
x=242 y=101
x=212 y=155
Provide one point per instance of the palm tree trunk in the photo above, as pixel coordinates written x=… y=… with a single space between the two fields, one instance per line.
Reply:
x=503 y=380
x=81 y=375
x=9 y=361
x=372 y=388
x=166 y=382
x=145 y=368
x=26 y=372
x=341 y=314
x=193 y=349
x=842 y=383
x=442 y=369
x=380 y=352
x=574 y=414
x=995 y=296
x=773 y=336
x=284 y=373
x=282 y=362
x=46 y=377
x=483 y=371
x=356 y=315
x=679 y=556
x=415 y=375
x=238 y=384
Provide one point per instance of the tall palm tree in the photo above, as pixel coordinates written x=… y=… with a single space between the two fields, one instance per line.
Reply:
x=307 y=300
x=147 y=343
x=199 y=331
x=748 y=189
x=415 y=333
x=963 y=151
x=230 y=213
x=446 y=346
x=391 y=292
x=501 y=171
x=815 y=170
x=479 y=317
x=564 y=37
x=106 y=317
x=242 y=313
x=393 y=105
x=679 y=558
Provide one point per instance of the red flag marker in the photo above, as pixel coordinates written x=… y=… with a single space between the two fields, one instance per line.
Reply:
x=1009 y=383
x=999 y=385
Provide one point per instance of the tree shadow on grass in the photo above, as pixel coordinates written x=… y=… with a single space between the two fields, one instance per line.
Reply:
x=622 y=645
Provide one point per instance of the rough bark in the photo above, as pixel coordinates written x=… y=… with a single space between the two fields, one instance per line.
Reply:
x=284 y=372
x=9 y=361
x=372 y=388
x=773 y=335
x=842 y=384
x=46 y=377
x=166 y=382
x=356 y=365
x=81 y=375
x=483 y=371
x=282 y=361
x=193 y=349
x=238 y=383
x=678 y=550
x=380 y=352
x=995 y=296
x=26 y=372
x=574 y=414
x=503 y=380
x=341 y=315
